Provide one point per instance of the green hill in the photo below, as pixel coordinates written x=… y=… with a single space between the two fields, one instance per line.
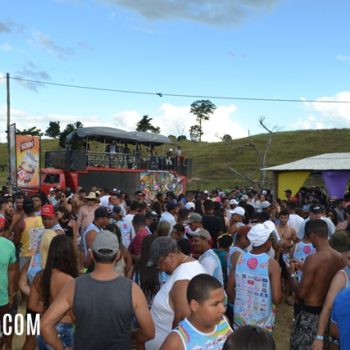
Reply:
x=211 y=161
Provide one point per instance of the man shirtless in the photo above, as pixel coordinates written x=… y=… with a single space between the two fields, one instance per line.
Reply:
x=318 y=271
x=288 y=237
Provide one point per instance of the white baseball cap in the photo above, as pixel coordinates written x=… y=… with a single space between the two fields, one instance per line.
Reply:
x=189 y=205
x=238 y=210
x=259 y=234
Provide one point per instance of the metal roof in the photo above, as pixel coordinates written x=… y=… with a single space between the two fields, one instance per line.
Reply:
x=109 y=134
x=326 y=161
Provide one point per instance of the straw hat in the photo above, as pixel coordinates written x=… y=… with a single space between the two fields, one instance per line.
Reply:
x=92 y=195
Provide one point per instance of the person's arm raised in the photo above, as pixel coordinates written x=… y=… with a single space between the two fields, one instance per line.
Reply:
x=146 y=329
x=55 y=312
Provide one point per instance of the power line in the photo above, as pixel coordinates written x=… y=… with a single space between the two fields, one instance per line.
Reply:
x=161 y=94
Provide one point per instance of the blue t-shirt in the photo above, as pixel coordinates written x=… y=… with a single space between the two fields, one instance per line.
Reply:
x=341 y=317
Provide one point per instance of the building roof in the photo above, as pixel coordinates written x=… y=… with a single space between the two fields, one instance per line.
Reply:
x=326 y=161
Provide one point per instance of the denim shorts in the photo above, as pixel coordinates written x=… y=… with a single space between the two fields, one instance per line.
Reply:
x=65 y=333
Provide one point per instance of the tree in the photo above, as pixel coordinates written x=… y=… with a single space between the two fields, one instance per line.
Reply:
x=195 y=133
x=201 y=109
x=53 y=130
x=261 y=154
x=182 y=138
x=31 y=131
x=227 y=137
x=145 y=125
x=69 y=128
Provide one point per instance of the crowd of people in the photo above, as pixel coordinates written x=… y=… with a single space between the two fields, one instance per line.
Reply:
x=202 y=270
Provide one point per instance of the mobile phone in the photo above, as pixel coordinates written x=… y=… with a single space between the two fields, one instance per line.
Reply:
x=286 y=259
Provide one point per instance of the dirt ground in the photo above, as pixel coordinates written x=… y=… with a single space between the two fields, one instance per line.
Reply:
x=281 y=333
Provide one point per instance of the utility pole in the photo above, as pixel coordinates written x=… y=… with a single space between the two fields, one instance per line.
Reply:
x=8 y=131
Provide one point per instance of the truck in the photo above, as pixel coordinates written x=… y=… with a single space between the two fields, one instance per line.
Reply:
x=116 y=166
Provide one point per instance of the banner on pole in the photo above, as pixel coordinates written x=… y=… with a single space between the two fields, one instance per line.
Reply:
x=28 y=161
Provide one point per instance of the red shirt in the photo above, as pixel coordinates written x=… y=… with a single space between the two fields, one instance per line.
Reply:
x=135 y=245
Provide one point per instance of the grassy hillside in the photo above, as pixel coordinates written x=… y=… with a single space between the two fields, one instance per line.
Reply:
x=211 y=161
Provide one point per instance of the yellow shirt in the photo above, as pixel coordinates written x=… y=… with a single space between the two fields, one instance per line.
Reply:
x=31 y=235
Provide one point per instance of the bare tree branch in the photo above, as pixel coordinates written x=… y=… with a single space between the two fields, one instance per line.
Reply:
x=241 y=175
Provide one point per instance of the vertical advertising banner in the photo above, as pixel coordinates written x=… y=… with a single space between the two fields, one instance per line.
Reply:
x=28 y=161
x=13 y=168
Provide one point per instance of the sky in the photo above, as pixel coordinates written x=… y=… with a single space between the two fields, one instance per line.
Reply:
x=153 y=50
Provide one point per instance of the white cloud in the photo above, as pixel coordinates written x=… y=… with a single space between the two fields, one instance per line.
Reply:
x=6 y=47
x=334 y=114
x=324 y=114
x=343 y=58
x=176 y=120
x=172 y=120
x=310 y=122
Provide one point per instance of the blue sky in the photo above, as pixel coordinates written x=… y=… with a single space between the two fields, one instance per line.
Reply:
x=253 y=48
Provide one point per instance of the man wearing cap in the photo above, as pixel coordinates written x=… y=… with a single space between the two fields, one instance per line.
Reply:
x=103 y=304
x=208 y=259
x=194 y=222
x=124 y=226
x=52 y=196
x=256 y=286
x=340 y=241
x=101 y=220
x=170 y=215
x=316 y=213
x=87 y=211
x=266 y=206
x=50 y=220
x=318 y=272
x=236 y=221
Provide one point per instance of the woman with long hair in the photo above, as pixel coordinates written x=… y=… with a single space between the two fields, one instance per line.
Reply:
x=64 y=201
x=148 y=278
x=61 y=267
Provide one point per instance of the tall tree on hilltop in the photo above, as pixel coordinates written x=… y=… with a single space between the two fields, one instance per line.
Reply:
x=202 y=110
x=145 y=125
x=53 y=130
